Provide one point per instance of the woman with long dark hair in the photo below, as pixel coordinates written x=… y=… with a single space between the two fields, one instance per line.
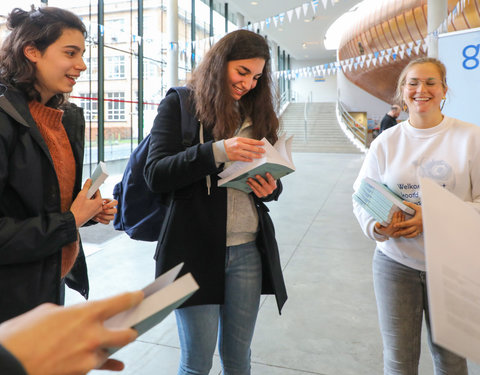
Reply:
x=42 y=204
x=221 y=234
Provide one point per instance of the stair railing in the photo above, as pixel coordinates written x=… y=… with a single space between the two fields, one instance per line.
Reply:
x=305 y=118
x=359 y=131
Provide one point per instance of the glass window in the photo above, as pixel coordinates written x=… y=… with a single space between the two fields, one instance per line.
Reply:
x=89 y=103
x=115 y=106
x=115 y=67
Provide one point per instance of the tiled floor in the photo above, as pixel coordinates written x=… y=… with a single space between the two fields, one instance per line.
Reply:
x=329 y=323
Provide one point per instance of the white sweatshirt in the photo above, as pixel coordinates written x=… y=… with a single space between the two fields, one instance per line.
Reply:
x=448 y=153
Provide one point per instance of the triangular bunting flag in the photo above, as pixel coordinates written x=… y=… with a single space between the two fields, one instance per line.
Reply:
x=380 y=59
x=395 y=49
x=262 y=24
x=314 y=5
x=417 y=49
x=298 y=10
x=409 y=51
x=305 y=9
x=425 y=47
x=374 y=61
x=275 y=20
x=369 y=61
x=402 y=53
x=410 y=44
x=324 y=4
x=289 y=15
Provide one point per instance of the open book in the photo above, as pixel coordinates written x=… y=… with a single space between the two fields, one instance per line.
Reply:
x=162 y=296
x=99 y=176
x=379 y=201
x=277 y=160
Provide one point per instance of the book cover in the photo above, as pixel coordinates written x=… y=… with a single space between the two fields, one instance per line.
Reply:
x=99 y=176
x=277 y=160
x=162 y=296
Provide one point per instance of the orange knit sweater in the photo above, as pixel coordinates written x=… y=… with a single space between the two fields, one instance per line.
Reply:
x=49 y=122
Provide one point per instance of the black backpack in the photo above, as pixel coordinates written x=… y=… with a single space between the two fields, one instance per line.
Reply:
x=140 y=212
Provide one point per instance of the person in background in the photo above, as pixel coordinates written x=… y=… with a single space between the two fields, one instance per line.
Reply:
x=428 y=144
x=73 y=339
x=42 y=205
x=219 y=233
x=390 y=118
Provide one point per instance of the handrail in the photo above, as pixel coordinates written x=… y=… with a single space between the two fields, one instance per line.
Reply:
x=358 y=130
x=305 y=119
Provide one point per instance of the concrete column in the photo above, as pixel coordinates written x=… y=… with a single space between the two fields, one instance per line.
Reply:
x=437 y=12
x=172 y=51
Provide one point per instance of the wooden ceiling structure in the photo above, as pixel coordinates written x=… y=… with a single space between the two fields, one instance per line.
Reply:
x=391 y=24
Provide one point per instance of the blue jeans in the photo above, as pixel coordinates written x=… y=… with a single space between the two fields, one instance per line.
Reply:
x=401 y=294
x=234 y=321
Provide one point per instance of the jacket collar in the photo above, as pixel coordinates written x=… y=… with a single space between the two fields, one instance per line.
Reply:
x=9 y=96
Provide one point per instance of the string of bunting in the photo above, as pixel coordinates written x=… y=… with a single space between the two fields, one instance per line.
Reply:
x=375 y=58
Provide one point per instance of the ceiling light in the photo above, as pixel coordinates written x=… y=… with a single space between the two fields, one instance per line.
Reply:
x=254 y=2
x=304 y=45
x=307 y=20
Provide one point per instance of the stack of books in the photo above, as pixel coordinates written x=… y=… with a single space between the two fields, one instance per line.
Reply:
x=379 y=201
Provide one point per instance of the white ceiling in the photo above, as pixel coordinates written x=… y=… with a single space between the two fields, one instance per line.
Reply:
x=292 y=35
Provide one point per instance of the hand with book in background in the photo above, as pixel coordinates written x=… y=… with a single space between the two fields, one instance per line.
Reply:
x=399 y=227
x=247 y=149
x=412 y=227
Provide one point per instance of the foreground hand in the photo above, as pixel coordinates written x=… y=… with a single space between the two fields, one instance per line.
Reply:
x=413 y=227
x=109 y=209
x=84 y=209
x=72 y=340
x=262 y=187
x=391 y=230
x=243 y=149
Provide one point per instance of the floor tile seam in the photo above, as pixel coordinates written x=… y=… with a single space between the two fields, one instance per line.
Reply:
x=143 y=341
x=288 y=368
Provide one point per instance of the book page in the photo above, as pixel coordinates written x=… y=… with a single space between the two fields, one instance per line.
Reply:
x=452 y=253
x=284 y=147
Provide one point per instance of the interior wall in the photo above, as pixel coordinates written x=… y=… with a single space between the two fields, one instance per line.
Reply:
x=357 y=100
x=321 y=91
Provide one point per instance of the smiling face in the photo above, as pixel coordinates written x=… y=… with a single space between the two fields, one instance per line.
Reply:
x=423 y=89
x=243 y=75
x=59 y=66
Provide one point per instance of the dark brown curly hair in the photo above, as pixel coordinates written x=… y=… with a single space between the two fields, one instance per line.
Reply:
x=216 y=108
x=39 y=28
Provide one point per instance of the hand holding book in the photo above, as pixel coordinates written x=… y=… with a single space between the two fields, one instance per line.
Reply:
x=276 y=160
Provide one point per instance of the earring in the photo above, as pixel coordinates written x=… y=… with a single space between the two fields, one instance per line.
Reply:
x=443 y=103
x=405 y=108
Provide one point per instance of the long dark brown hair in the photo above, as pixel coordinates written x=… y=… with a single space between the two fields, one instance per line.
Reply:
x=216 y=108
x=39 y=28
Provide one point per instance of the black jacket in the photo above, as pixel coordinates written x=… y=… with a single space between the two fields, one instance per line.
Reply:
x=194 y=230
x=32 y=228
x=9 y=365
x=387 y=122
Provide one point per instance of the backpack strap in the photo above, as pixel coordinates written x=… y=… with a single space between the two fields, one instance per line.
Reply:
x=189 y=123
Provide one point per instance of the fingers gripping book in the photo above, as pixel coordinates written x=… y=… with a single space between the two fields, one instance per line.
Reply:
x=277 y=160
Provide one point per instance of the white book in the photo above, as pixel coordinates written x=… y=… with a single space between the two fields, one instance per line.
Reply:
x=162 y=296
x=99 y=176
x=277 y=160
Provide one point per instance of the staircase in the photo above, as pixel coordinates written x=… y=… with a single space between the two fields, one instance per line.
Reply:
x=323 y=131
